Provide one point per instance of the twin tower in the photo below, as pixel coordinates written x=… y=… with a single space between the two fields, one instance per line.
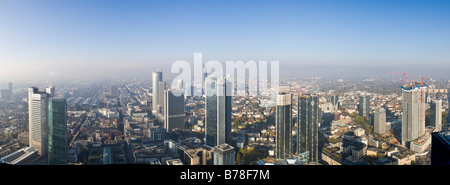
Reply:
x=47 y=124
x=309 y=116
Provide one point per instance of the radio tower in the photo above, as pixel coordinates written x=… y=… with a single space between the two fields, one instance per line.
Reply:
x=393 y=72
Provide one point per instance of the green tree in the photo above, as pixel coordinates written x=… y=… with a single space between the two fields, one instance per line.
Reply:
x=238 y=157
x=236 y=123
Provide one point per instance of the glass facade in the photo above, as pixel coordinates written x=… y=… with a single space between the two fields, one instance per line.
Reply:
x=283 y=126
x=364 y=106
x=57 y=131
x=218 y=112
x=308 y=127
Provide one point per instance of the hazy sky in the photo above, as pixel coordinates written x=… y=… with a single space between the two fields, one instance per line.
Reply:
x=89 y=38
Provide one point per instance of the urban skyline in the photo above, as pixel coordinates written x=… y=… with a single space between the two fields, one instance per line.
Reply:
x=224 y=83
x=118 y=39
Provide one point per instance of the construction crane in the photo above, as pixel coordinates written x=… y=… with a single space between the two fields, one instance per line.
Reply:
x=421 y=99
x=404 y=75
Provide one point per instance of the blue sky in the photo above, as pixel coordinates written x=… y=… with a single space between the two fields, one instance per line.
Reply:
x=72 y=34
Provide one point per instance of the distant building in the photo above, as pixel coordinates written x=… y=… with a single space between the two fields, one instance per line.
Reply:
x=57 y=116
x=283 y=125
x=436 y=114
x=174 y=111
x=364 y=106
x=379 y=124
x=51 y=91
x=334 y=100
x=10 y=88
x=224 y=154
x=218 y=111
x=308 y=127
x=114 y=90
x=5 y=94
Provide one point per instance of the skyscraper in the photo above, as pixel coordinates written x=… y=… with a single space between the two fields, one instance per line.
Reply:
x=173 y=111
x=436 y=114
x=114 y=90
x=10 y=88
x=5 y=94
x=160 y=96
x=413 y=118
x=334 y=99
x=379 y=124
x=224 y=154
x=308 y=125
x=37 y=119
x=283 y=122
x=50 y=91
x=57 y=116
x=364 y=106
x=156 y=78
x=218 y=111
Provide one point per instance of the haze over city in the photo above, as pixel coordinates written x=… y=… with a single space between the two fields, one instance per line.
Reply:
x=246 y=86
x=115 y=39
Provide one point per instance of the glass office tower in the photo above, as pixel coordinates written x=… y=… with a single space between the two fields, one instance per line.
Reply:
x=57 y=116
x=308 y=125
x=218 y=111
x=283 y=126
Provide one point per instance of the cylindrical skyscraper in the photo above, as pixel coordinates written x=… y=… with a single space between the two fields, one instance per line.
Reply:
x=283 y=122
x=156 y=78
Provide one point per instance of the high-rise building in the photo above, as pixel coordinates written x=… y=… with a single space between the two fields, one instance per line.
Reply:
x=156 y=78
x=379 y=124
x=218 y=111
x=448 y=104
x=283 y=126
x=160 y=96
x=37 y=119
x=50 y=91
x=57 y=115
x=173 y=110
x=440 y=148
x=224 y=154
x=436 y=114
x=5 y=94
x=334 y=99
x=308 y=125
x=413 y=116
x=448 y=97
x=10 y=88
x=114 y=90
x=364 y=106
